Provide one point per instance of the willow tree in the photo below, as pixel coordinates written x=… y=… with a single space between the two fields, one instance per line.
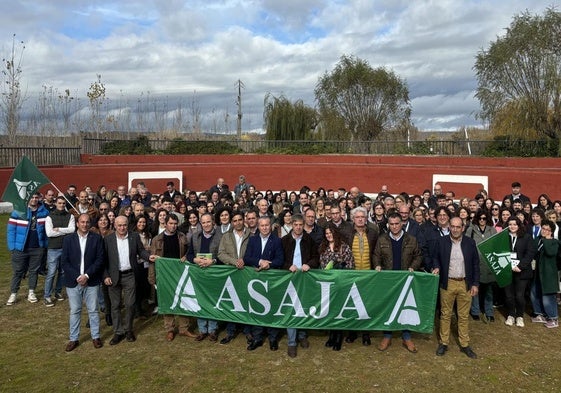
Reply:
x=285 y=120
x=519 y=76
x=367 y=101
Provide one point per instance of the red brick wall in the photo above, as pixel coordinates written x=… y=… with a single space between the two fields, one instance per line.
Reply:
x=401 y=173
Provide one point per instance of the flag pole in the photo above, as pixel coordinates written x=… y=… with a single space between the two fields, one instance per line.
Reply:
x=64 y=196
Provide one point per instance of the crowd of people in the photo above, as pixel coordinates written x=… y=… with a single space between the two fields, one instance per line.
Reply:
x=102 y=246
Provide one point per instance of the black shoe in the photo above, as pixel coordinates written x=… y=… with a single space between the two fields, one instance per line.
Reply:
x=108 y=319
x=351 y=338
x=254 y=345
x=337 y=341
x=469 y=352
x=441 y=350
x=491 y=319
x=366 y=340
x=226 y=340
x=273 y=345
x=475 y=317
x=130 y=337
x=117 y=338
x=331 y=340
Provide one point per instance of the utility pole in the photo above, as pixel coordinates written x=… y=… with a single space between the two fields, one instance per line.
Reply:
x=239 y=104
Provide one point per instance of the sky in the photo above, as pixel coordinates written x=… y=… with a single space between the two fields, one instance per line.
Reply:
x=173 y=53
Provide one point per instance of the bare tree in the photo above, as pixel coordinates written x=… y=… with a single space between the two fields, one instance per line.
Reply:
x=96 y=95
x=12 y=96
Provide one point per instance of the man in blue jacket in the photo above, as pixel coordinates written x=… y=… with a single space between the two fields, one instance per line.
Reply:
x=27 y=241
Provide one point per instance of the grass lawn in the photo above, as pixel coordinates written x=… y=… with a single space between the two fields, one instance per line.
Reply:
x=33 y=337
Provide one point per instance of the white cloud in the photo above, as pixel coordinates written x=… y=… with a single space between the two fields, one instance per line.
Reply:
x=175 y=47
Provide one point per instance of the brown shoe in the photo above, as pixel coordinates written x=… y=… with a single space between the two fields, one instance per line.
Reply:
x=97 y=343
x=292 y=351
x=408 y=344
x=187 y=333
x=71 y=346
x=385 y=344
x=201 y=337
x=170 y=336
x=213 y=337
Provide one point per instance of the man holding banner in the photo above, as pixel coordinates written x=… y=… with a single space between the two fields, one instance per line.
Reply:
x=457 y=263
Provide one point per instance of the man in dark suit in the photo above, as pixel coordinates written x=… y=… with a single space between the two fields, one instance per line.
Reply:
x=457 y=262
x=264 y=251
x=300 y=254
x=82 y=263
x=122 y=249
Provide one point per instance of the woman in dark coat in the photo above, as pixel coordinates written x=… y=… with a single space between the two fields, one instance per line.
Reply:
x=523 y=251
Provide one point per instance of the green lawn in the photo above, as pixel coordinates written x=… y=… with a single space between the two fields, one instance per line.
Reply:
x=32 y=358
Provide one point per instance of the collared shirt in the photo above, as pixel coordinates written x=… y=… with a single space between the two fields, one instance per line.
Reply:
x=123 y=248
x=396 y=238
x=457 y=266
x=238 y=238
x=263 y=242
x=83 y=240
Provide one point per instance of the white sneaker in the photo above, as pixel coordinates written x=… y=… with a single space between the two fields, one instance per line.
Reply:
x=509 y=321
x=11 y=300
x=539 y=319
x=520 y=322
x=552 y=323
x=31 y=298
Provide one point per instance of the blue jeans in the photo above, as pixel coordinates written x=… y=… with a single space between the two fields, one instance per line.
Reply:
x=405 y=334
x=76 y=296
x=28 y=261
x=485 y=290
x=543 y=304
x=53 y=265
x=291 y=335
x=207 y=325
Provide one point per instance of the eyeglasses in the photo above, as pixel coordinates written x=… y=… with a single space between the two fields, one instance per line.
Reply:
x=495 y=208
x=482 y=218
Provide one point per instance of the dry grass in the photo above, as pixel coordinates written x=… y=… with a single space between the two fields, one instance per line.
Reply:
x=32 y=359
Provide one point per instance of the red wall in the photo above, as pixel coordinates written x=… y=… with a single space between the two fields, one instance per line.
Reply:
x=401 y=173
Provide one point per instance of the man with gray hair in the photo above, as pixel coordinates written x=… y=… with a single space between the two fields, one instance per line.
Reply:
x=363 y=242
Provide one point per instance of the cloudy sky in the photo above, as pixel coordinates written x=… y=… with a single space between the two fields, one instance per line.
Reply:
x=169 y=49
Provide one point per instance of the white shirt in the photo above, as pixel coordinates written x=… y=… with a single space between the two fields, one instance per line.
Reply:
x=83 y=240
x=123 y=248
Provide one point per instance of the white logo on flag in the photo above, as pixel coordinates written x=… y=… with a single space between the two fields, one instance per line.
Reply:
x=406 y=306
x=25 y=188
x=185 y=293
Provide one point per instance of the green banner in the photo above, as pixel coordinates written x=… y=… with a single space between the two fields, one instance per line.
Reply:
x=25 y=180
x=496 y=252
x=317 y=299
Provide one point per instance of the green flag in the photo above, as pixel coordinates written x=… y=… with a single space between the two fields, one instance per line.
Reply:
x=496 y=252
x=24 y=182
x=318 y=299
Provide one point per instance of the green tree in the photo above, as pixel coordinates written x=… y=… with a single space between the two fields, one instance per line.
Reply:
x=519 y=76
x=285 y=120
x=367 y=101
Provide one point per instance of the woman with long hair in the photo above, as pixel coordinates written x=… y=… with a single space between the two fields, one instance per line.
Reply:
x=320 y=208
x=335 y=254
x=285 y=223
x=522 y=250
x=143 y=288
x=544 y=202
x=222 y=219
x=159 y=224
